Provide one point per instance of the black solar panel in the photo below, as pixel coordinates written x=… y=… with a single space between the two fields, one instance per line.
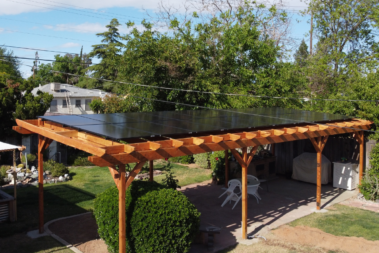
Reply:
x=125 y=126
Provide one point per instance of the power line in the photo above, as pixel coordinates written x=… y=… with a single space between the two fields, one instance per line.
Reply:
x=229 y=94
x=55 y=9
x=36 y=49
x=85 y=8
x=47 y=35
x=30 y=22
x=28 y=58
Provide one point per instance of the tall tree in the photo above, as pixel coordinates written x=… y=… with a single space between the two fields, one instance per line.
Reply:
x=109 y=53
x=301 y=54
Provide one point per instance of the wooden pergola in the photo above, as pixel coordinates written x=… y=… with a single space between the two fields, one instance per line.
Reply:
x=111 y=153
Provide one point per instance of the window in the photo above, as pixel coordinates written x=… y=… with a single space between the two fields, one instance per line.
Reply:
x=87 y=108
x=64 y=104
x=53 y=106
x=78 y=103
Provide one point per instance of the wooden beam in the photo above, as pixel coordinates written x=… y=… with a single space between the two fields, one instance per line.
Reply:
x=360 y=136
x=276 y=132
x=116 y=149
x=134 y=173
x=176 y=143
x=315 y=144
x=319 y=171
x=151 y=170
x=290 y=130
x=226 y=167
x=197 y=141
x=301 y=129
x=251 y=155
x=264 y=133
x=21 y=130
x=121 y=210
x=238 y=157
x=70 y=133
x=41 y=141
x=244 y=193
x=115 y=176
x=189 y=149
x=313 y=128
x=249 y=135
x=62 y=139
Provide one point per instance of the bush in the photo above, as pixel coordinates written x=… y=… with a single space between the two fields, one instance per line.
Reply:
x=202 y=160
x=187 y=159
x=217 y=161
x=20 y=166
x=31 y=158
x=82 y=161
x=170 y=180
x=56 y=169
x=370 y=182
x=157 y=219
x=3 y=173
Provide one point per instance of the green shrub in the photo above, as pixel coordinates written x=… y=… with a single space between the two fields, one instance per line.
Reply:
x=170 y=180
x=56 y=169
x=202 y=160
x=3 y=173
x=20 y=166
x=187 y=159
x=31 y=158
x=370 y=183
x=82 y=161
x=217 y=161
x=168 y=221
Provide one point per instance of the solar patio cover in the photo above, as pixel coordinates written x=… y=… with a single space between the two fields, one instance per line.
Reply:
x=124 y=126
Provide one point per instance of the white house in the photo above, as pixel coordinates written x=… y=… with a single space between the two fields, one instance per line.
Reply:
x=69 y=99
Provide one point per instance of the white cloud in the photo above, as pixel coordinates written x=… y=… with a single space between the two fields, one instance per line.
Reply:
x=70 y=44
x=1 y=30
x=79 y=28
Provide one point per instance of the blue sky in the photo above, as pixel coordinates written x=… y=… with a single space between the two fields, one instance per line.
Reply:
x=45 y=24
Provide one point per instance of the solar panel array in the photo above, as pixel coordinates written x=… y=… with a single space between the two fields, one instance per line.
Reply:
x=124 y=126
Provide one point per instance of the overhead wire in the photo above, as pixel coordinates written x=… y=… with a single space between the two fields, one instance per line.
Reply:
x=36 y=49
x=34 y=59
x=228 y=94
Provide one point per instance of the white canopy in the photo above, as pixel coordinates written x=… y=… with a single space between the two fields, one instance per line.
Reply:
x=7 y=147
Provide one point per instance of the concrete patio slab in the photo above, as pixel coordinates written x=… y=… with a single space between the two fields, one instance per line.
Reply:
x=286 y=201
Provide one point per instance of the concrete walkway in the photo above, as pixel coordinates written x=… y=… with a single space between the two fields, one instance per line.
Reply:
x=286 y=200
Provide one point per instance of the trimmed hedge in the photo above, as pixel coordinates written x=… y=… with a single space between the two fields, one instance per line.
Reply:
x=202 y=160
x=157 y=219
x=56 y=169
x=187 y=159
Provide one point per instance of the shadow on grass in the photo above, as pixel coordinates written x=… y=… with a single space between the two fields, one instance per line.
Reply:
x=59 y=201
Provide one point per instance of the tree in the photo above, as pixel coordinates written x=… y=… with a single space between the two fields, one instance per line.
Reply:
x=347 y=41
x=301 y=54
x=16 y=99
x=209 y=56
x=108 y=53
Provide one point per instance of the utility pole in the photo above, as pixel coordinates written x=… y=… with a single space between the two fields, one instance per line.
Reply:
x=310 y=42
x=35 y=66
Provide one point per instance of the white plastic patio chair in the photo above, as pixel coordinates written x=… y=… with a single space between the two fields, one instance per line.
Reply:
x=232 y=196
x=253 y=189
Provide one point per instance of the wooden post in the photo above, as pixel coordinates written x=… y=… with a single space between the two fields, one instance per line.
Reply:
x=244 y=194
x=121 y=210
x=319 y=145
x=273 y=149
x=226 y=167
x=151 y=170
x=15 y=186
x=361 y=157
x=319 y=163
x=40 y=182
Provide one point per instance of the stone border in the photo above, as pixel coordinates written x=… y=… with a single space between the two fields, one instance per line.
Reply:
x=68 y=245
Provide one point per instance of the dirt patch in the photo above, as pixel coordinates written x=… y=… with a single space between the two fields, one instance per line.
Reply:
x=317 y=238
x=81 y=232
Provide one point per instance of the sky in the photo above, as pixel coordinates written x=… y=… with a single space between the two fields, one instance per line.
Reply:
x=68 y=25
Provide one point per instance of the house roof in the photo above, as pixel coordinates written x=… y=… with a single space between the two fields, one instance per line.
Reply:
x=73 y=91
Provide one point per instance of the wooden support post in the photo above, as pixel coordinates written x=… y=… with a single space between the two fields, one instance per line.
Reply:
x=319 y=163
x=226 y=167
x=361 y=156
x=273 y=149
x=121 y=210
x=151 y=170
x=244 y=194
x=40 y=181
x=319 y=145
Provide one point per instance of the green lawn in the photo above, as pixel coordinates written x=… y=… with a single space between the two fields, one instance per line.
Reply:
x=342 y=220
x=77 y=195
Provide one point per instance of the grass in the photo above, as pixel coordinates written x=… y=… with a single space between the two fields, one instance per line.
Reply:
x=77 y=195
x=342 y=220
